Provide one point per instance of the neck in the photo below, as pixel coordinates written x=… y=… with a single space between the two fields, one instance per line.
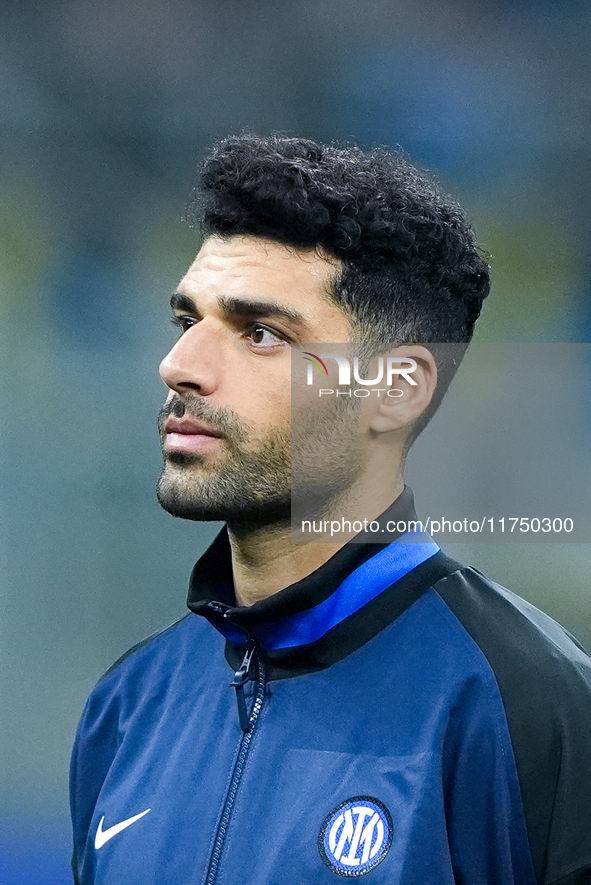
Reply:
x=265 y=560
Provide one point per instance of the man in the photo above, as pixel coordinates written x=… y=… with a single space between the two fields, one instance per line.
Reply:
x=392 y=713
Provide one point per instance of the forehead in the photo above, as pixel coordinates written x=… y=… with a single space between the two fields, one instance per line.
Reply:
x=269 y=271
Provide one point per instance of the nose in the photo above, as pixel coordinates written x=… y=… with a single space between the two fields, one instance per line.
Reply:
x=191 y=366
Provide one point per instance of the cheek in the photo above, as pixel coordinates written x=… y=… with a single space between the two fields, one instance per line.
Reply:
x=265 y=409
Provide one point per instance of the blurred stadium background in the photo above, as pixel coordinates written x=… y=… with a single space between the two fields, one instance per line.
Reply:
x=105 y=111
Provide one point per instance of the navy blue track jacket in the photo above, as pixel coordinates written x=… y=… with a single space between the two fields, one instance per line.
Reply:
x=394 y=716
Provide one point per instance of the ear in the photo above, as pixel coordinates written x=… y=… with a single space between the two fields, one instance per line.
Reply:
x=409 y=392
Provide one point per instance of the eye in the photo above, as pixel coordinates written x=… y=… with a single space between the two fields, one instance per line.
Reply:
x=182 y=322
x=264 y=338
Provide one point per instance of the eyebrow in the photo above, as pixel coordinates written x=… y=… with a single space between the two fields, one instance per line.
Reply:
x=242 y=307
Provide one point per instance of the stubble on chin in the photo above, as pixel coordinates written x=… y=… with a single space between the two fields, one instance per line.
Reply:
x=242 y=492
x=239 y=485
x=279 y=482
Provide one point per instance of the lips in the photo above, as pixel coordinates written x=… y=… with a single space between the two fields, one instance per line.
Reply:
x=188 y=435
x=188 y=426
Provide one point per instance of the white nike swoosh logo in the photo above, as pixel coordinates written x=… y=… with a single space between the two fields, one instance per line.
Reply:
x=103 y=836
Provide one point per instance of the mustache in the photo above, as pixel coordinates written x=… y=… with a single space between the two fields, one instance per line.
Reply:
x=224 y=421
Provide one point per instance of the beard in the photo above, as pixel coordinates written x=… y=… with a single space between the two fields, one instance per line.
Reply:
x=251 y=487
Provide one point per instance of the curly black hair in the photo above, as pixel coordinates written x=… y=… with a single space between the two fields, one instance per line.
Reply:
x=411 y=269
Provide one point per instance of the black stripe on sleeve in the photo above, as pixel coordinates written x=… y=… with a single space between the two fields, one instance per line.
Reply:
x=544 y=677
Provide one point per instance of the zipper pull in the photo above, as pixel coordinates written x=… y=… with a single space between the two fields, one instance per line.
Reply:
x=242 y=676
x=220 y=608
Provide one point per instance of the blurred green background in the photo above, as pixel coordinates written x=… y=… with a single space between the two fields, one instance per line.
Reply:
x=106 y=109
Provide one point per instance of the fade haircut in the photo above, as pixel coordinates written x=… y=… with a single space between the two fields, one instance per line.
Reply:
x=411 y=271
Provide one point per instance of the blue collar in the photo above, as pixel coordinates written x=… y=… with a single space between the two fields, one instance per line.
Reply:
x=348 y=597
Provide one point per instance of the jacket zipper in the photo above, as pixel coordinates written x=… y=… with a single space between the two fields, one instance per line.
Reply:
x=241 y=677
x=248 y=723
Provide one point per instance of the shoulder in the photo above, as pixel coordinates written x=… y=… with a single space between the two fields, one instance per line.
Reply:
x=133 y=689
x=544 y=679
x=543 y=673
x=148 y=667
x=515 y=636
x=150 y=647
x=127 y=700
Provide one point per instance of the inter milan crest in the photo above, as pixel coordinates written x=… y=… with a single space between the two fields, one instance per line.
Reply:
x=356 y=836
